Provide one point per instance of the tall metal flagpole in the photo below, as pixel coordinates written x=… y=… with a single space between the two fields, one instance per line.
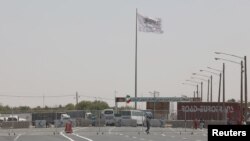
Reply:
x=136 y=60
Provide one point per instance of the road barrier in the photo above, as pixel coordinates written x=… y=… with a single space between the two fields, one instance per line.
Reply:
x=155 y=123
x=15 y=125
x=128 y=122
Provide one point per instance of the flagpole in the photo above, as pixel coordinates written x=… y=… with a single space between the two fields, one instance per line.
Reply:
x=136 y=60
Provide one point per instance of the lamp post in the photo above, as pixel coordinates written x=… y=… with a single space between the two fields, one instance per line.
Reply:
x=201 y=85
x=241 y=82
x=207 y=83
x=211 y=96
x=219 y=81
x=196 y=82
x=245 y=70
x=189 y=85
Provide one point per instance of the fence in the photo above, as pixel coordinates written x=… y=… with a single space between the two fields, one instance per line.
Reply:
x=97 y=120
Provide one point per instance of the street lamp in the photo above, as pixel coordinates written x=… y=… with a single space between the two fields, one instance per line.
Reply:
x=241 y=82
x=211 y=91
x=211 y=97
x=196 y=82
x=207 y=83
x=189 y=85
x=245 y=69
x=201 y=85
x=219 y=81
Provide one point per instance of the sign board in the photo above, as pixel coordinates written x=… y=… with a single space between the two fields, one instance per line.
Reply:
x=120 y=99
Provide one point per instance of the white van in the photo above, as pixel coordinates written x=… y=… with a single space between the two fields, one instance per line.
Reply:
x=133 y=114
x=108 y=115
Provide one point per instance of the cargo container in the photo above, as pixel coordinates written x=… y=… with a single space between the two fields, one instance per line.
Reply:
x=208 y=111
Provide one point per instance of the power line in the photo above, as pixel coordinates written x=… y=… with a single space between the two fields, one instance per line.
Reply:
x=51 y=96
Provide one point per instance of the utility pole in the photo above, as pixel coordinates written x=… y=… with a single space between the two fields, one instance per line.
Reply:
x=77 y=98
x=116 y=104
x=201 y=90
x=211 y=91
x=43 y=101
x=245 y=111
x=224 y=108
x=208 y=81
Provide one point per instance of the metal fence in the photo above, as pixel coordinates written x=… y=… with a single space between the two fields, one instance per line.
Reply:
x=98 y=121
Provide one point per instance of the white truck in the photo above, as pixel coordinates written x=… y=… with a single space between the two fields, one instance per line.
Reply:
x=65 y=117
x=15 y=118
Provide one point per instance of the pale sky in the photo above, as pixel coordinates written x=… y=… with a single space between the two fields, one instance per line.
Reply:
x=58 y=47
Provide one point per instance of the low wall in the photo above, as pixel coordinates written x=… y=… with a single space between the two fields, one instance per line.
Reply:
x=15 y=125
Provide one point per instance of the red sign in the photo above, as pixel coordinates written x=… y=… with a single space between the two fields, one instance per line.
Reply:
x=120 y=99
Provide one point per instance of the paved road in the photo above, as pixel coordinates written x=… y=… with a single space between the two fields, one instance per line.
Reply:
x=104 y=134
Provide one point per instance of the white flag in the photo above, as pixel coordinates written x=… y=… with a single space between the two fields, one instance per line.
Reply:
x=146 y=24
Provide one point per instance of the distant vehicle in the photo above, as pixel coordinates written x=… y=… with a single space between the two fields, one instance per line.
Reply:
x=137 y=115
x=65 y=117
x=88 y=115
x=118 y=118
x=15 y=118
x=91 y=117
x=50 y=117
x=108 y=115
x=2 y=119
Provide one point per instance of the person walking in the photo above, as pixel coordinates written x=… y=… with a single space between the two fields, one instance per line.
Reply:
x=148 y=118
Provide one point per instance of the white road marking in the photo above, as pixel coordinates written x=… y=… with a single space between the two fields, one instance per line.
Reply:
x=134 y=137
x=82 y=137
x=163 y=135
x=142 y=139
x=17 y=137
x=61 y=133
x=184 y=138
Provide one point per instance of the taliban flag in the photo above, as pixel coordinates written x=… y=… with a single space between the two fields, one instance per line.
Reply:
x=146 y=24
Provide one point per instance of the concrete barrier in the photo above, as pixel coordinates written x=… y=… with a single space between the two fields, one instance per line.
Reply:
x=128 y=122
x=15 y=125
x=190 y=123
x=155 y=123
x=83 y=122
x=26 y=116
x=98 y=123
